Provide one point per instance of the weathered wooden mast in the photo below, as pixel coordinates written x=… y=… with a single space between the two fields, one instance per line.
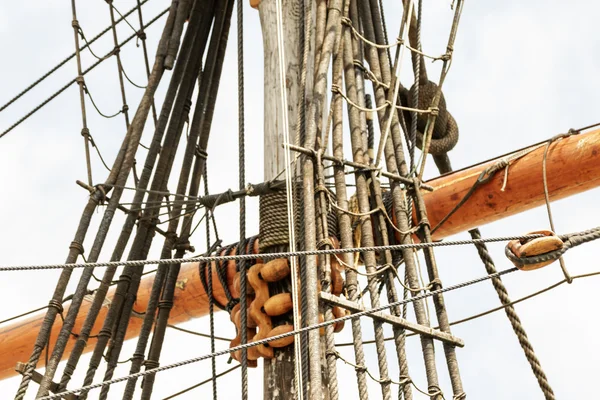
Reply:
x=279 y=371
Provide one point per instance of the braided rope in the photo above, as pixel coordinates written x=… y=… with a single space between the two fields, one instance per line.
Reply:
x=513 y=317
x=271 y=256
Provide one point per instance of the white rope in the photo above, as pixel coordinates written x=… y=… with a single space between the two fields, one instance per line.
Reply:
x=289 y=197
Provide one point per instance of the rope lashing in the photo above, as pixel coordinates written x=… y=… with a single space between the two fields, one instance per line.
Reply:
x=274 y=232
x=445 y=131
x=536 y=253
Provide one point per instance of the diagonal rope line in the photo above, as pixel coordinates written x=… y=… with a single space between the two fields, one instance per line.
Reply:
x=283 y=335
x=67 y=59
x=266 y=256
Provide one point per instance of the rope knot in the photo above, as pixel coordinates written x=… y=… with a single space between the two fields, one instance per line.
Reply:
x=446 y=56
x=141 y=35
x=321 y=188
x=80 y=80
x=324 y=242
x=435 y=284
x=347 y=21
x=75 y=24
x=125 y=108
x=99 y=194
x=360 y=368
x=116 y=50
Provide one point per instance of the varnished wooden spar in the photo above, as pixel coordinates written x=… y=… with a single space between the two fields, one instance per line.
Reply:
x=191 y=301
x=573 y=166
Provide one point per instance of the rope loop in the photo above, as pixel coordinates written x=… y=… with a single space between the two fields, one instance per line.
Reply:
x=77 y=246
x=435 y=284
x=321 y=244
x=151 y=364
x=105 y=333
x=168 y=304
x=57 y=305
x=200 y=153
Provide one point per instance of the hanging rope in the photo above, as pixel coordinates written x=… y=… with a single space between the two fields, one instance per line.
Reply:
x=514 y=319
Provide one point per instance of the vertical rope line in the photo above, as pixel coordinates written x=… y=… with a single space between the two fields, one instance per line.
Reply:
x=445 y=68
x=212 y=327
x=117 y=51
x=344 y=221
x=242 y=183
x=85 y=132
x=549 y=210
x=417 y=84
x=357 y=122
x=395 y=162
x=305 y=42
x=142 y=36
x=289 y=196
x=396 y=79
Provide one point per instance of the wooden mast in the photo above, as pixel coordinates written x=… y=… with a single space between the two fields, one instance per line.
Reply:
x=279 y=371
x=573 y=166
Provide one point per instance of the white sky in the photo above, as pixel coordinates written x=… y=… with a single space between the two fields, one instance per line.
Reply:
x=522 y=72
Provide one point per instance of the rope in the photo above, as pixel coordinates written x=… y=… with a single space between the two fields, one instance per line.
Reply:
x=67 y=59
x=513 y=317
x=82 y=91
x=281 y=336
x=142 y=36
x=201 y=383
x=271 y=256
x=547 y=196
x=242 y=266
x=396 y=79
x=68 y=84
x=493 y=310
x=431 y=121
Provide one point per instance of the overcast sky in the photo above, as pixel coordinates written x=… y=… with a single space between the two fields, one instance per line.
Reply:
x=522 y=72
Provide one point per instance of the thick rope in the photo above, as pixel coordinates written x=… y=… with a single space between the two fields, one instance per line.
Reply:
x=513 y=317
